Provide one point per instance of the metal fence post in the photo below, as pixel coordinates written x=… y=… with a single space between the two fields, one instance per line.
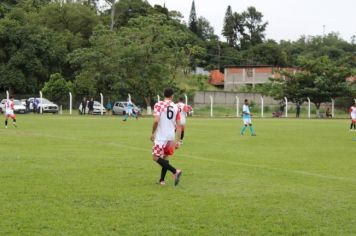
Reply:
x=262 y=107
x=237 y=106
x=308 y=108
x=286 y=101
x=70 y=103
x=102 y=103
x=211 y=106
x=332 y=108
x=41 y=102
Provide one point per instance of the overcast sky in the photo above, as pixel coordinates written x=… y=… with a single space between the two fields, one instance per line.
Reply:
x=287 y=19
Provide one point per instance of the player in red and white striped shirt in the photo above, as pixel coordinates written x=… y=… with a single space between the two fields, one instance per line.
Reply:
x=9 y=111
x=165 y=126
x=183 y=110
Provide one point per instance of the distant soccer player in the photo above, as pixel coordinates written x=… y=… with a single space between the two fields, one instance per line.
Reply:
x=9 y=111
x=352 y=112
x=166 y=121
x=246 y=116
x=129 y=110
x=183 y=109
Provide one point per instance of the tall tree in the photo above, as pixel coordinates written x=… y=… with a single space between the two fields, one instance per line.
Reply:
x=193 y=22
x=229 y=27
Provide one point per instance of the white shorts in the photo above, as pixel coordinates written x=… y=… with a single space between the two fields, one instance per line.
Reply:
x=247 y=121
x=10 y=114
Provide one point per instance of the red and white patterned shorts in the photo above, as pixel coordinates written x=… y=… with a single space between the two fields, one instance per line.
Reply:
x=163 y=149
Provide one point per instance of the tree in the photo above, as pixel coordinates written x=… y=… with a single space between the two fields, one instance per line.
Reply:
x=57 y=89
x=128 y=9
x=268 y=53
x=28 y=54
x=229 y=27
x=321 y=80
x=254 y=28
x=204 y=30
x=141 y=58
x=193 y=22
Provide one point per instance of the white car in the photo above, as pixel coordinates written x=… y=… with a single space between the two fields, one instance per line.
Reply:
x=47 y=105
x=97 y=108
x=18 y=107
x=120 y=108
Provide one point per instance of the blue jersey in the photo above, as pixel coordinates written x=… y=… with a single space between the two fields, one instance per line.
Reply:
x=246 y=112
x=129 y=106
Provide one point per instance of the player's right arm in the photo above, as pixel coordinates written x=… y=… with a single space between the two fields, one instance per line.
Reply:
x=154 y=127
x=156 y=115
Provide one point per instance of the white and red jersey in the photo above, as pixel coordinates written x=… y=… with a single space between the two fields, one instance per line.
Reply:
x=183 y=110
x=9 y=106
x=168 y=116
x=352 y=111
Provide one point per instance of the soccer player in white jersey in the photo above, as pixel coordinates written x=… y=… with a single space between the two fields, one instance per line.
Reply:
x=9 y=111
x=183 y=109
x=166 y=124
x=246 y=116
x=352 y=112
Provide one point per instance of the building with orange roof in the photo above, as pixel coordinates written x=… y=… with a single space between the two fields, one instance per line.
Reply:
x=216 y=78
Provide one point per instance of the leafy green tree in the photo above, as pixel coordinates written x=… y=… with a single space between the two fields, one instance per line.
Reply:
x=128 y=9
x=321 y=80
x=77 y=19
x=141 y=58
x=57 y=89
x=28 y=54
x=268 y=53
x=204 y=30
x=254 y=28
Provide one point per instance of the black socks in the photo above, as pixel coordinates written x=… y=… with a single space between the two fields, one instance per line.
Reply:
x=165 y=165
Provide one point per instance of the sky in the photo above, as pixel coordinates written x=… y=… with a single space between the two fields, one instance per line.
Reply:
x=287 y=19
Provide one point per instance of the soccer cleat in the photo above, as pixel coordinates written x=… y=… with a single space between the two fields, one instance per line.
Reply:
x=162 y=183
x=177 y=176
x=253 y=134
x=5 y=126
x=14 y=124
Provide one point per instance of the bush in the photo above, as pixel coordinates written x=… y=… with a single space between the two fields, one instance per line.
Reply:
x=57 y=89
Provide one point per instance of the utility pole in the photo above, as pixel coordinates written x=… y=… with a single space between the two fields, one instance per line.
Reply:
x=324 y=31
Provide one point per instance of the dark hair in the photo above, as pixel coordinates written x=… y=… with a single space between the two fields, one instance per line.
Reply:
x=181 y=99
x=246 y=100
x=11 y=97
x=168 y=92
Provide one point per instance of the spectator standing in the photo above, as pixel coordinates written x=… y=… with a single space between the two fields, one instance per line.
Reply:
x=109 y=107
x=91 y=106
x=84 y=105
x=297 y=110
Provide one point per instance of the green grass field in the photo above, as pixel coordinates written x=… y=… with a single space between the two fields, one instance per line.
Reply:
x=62 y=175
